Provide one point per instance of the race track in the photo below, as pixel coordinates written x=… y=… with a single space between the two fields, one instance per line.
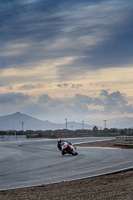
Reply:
x=31 y=163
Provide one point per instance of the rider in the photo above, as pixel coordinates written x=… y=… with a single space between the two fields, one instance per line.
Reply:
x=61 y=144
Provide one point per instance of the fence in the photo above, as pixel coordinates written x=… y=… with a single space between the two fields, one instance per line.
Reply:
x=124 y=140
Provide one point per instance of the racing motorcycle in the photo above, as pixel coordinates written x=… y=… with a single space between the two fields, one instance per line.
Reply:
x=70 y=149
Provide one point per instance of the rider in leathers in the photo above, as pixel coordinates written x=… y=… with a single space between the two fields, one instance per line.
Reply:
x=62 y=145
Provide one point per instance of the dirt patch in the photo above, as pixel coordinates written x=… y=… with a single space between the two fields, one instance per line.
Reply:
x=107 y=143
x=110 y=187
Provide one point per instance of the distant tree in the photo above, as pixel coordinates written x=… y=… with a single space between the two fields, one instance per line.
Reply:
x=29 y=132
x=95 y=129
x=114 y=130
x=123 y=132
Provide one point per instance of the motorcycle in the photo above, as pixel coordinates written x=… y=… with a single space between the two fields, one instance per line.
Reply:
x=69 y=149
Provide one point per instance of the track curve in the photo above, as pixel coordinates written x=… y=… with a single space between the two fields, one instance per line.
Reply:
x=30 y=163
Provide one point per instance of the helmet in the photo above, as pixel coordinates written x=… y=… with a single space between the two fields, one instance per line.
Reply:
x=59 y=140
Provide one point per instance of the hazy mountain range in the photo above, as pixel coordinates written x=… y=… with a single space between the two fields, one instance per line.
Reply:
x=19 y=121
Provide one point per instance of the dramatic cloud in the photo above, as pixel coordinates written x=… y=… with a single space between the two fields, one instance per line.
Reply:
x=83 y=105
x=62 y=53
x=113 y=103
x=99 y=33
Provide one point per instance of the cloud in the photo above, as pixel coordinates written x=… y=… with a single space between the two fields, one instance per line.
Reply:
x=104 y=93
x=28 y=1
x=13 y=99
x=2 y=84
x=113 y=103
x=65 y=46
x=98 y=33
x=76 y=108
x=46 y=100
x=87 y=100
x=82 y=105
x=30 y=86
x=65 y=85
x=76 y=86
x=106 y=104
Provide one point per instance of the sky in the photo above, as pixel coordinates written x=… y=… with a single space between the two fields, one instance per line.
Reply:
x=67 y=59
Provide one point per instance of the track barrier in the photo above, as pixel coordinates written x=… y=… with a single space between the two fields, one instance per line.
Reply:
x=124 y=140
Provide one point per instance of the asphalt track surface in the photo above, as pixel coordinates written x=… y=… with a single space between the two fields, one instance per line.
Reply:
x=31 y=163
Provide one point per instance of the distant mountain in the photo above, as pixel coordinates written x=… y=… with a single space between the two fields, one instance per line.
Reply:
x=123 y=122
x=17 y=121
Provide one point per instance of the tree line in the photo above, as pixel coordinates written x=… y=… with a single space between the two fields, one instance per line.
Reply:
x=95 y=132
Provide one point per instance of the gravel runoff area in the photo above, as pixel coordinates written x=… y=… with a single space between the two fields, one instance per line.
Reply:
x=107 y=143
x=117 y=186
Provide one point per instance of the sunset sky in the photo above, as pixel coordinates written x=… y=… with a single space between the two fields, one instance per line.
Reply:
x=67 y=59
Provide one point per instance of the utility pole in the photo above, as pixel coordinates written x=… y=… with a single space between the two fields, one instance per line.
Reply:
x=82 y=124
x=105 y=122
x=8 y=133
x=66 y=124
x=22 y=123
x=15 y=134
